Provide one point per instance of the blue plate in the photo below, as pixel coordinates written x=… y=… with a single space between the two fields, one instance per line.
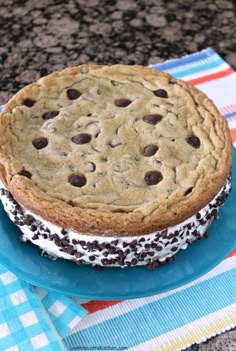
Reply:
x=66 y=277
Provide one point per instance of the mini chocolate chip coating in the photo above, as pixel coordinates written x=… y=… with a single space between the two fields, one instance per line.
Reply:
x=194 y=141
x=161 y=93
x=152 y=118
x=25 y=173
x=78 y=180
x=73 y=94
x=122 y=102
x=50 y=115
x=150 y=150
x=40 y=143
x=29 y=102
x=153 y=177
x=82 y=138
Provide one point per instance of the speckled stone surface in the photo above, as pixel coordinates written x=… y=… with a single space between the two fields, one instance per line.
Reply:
x=41 y=36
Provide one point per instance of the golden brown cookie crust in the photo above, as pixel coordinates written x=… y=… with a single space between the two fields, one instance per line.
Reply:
x=116 y=198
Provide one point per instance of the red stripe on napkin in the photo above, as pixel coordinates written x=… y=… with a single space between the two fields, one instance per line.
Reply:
x=212 y=76
x=233 y=134
x=96 y=305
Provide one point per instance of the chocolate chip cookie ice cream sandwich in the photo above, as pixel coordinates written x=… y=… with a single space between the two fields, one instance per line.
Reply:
x=113 y=166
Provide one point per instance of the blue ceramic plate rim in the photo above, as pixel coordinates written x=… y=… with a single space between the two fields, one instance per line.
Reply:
x=116 y=283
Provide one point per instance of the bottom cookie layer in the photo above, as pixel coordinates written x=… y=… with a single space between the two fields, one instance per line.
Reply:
x=151 y=250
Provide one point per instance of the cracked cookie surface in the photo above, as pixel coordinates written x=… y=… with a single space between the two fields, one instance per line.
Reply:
x=113 y=149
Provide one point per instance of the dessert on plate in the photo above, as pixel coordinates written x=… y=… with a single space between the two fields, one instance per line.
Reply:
x=113 y=165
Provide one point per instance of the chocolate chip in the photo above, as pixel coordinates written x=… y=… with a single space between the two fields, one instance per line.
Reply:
x=35 y=236
x=102 y=246
x=28 y=220
x=29 y=102
x=82 y=138
x=2 y=192
x=152 y=118
x=80 y=262
x=150 y=150
x=153 y=177
x=170 y=259
x=174 y=248
x=161 y=93
x=151 y=253
x=78 y=254
x=50 y=115
x=25 y=173
x=69 y=249
x=64 y=242
x=93 y=166
x=33 y=228
x=133 y=242
x=77 y=180
x=120 y=253
x=214 y=213
x=152 y=265
x=40 y=143
x=119 y=210
x=63 y=231
x=188 y=191
x=105 y=261
x=194 y=141
x=111 y=250
x=122 y=102
x=134 y=261
x=113 y=146
x=196 y=233
x=188 y=241
x=73 y=94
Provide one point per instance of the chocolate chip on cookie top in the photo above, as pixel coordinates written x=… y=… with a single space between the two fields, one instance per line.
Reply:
x=120 y=140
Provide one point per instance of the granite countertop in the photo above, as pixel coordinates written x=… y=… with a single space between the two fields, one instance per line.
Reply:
x=41 y=36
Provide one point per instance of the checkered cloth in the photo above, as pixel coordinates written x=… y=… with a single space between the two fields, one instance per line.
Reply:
x=33 y=319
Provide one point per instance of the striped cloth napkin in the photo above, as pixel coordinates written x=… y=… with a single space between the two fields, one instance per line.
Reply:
x=33 y=319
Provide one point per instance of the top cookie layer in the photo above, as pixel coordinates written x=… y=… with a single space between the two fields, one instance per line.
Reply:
x=113 y=149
